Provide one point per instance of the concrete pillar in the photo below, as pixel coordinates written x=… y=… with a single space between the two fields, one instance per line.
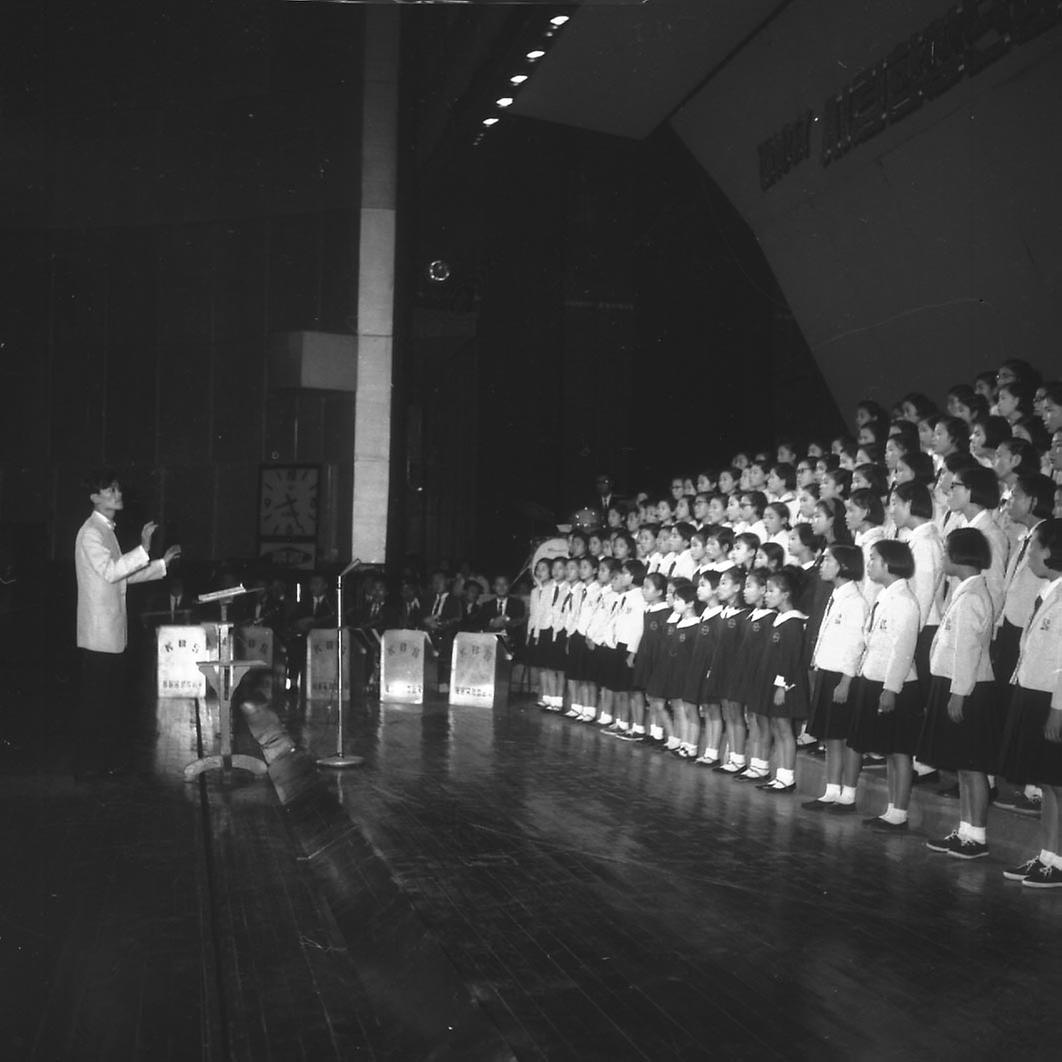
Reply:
x=376 y=286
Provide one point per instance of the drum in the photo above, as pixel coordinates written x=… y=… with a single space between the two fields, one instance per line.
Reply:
x=548 y=549
x=586 y=519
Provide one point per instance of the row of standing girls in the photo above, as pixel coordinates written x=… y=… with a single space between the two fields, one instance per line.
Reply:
x=725 y=664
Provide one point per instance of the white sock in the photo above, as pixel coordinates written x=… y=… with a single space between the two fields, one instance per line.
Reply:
x=656 y=732
x=833 y=792
x=604 y=718
x=976 y=833
x=637 y=729
x=848 y=794
x=738 y=759
x=673 y=742
x=711 y=754
x=785 y=776
x=1056 y=861
x=623 y=724
x=759 y=765
x=1033 y=792
x=964 y=831
x=690 y=747
x=895 y=816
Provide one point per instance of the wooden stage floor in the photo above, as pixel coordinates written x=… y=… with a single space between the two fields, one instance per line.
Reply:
x=493 y=885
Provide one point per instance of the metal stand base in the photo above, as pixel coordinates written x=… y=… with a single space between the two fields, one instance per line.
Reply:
x=340 y=761
x=224 y=763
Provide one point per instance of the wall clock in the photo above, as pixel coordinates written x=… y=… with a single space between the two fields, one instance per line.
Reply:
x=288 y=501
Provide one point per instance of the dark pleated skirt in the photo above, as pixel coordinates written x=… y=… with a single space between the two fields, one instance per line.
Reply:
x=558 y=652
x=890 y=733
x=697 y=672
x=828 y=721
x=973 y=744
x=1026 y=757
x=577 y=651
x=618 y=677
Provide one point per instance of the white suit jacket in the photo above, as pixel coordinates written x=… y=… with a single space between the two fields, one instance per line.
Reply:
x=960 y=646
x=1040 y=664
x=842 y=637
x=892 y=632
x=102 y=575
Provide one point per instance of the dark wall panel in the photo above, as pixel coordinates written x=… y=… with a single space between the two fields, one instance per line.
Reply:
x=79 y=324
x=132 y=347
x=184 y=346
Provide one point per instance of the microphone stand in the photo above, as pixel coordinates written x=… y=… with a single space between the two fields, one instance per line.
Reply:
x=340 y=759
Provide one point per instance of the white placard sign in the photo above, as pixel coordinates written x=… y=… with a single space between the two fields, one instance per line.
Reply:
x=179 y=649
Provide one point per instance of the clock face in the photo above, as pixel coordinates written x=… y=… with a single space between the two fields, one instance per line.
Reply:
x=288 y=506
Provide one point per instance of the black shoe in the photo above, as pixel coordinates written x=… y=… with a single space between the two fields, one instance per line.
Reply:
x=873 y=762
x=729 y=768
x=1042 y=877
x=1021 y=872
x=948 y=844
x=881 y=826
x=818 y=804
x=968 y=849
x=841 y=809
x=774 y=786
x=925 y=779
x=1027 y=806
x=748 y=775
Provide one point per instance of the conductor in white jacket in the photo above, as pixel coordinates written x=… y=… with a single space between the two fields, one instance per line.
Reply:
x=103 y=572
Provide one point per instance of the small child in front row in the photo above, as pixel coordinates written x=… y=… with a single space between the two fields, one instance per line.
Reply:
x=835 y=660
x=723 y=675
x=555 y=641
x=788 y=700
x=627 y=634
x=575 y=672
x=753 y=682
x=654 y=629
x=676 y=663
x=588 y=613
x=695 y=695
x=960 y=732
x=598 y=635
x=537 y=620
x=887 y=712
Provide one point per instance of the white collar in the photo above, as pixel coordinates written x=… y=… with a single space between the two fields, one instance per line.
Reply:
x=759 y=613
x=109 y=523
x=784 y=617
x=689 y=621
x=708 y=613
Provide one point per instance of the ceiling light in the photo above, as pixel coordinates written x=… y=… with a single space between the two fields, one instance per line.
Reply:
x=535 y=55
x=518 y=79
x=505 y=101
x=558 y=20
x=491 y=121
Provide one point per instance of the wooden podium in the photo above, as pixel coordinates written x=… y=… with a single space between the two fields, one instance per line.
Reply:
x=407 y=667
x=479 y=672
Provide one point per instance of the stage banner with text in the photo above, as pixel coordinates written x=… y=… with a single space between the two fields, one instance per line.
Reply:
x=321 y=672
x=407 y=667
x=479 y=674
x=179 y=649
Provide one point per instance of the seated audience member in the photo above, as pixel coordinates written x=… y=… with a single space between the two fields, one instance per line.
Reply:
x=505 y=615
x=442 y=621
x=472 y=618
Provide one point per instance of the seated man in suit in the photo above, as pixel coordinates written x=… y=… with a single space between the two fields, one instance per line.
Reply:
x=442 y=622
x=505 y=615
x=316 y=611
x=473 y=618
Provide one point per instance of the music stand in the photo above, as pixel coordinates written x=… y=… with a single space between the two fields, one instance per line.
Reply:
x=340 y=759
x=223 y=675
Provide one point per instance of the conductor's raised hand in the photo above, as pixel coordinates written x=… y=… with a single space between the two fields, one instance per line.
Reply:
x=147 y=532
x=171 y=554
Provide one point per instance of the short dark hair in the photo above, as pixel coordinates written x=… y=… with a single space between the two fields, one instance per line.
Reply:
x=1025 y=452
x=982 y=484
x=897 y=557
x=849 y=561
x=774 y=553
x=749 y=539
x=876 y=477
x=99 y=479
x=785 y=472
x=790 y=580
x=917 y=497
x=958 y=431
x=757 y=499
x=683 y=530
x=1049 y=535
x=968 y=547
x=723 y=535
x=920 y=464
x=735 y=575
x=996 y=429
x=636 y=570
x=807 y=538
x=711 y=577
x=842 y=478
x=923 y=406
x=1040 y=490
x=870 y=503
x=685 y=592
x=781 y=509
x=656 y=580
